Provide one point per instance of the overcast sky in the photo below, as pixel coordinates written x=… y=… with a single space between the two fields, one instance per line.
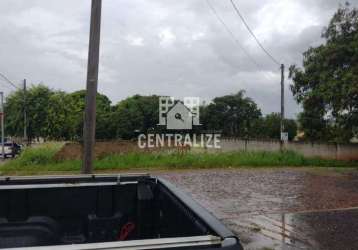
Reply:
x=164 y=47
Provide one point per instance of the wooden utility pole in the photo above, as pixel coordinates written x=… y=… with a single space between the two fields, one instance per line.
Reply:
x=25 y=114
x=89 y=128
x=282 y=104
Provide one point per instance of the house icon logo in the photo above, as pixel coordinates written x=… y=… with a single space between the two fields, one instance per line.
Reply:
x=179 y=115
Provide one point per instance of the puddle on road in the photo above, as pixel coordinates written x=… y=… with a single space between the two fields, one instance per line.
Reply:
x=279 y=209
x=274 y=231
x=329 y=230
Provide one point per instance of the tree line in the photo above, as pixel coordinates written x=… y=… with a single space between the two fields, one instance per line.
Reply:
x=59 y=115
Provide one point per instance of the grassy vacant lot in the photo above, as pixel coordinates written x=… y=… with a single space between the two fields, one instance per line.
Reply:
x=40 y=159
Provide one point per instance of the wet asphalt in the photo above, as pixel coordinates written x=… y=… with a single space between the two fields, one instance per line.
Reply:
x=279 y=208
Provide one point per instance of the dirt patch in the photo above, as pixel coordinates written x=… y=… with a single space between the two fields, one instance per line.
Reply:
x=73 y=151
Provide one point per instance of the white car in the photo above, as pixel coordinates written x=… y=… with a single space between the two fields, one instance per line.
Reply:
x=10 y=149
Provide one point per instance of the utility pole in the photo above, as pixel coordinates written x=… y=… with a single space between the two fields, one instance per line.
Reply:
x=2 y=125
x=25 y=114
x=89 y=128
x=282 y=104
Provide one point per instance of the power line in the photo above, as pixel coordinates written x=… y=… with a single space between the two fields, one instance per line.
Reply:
x=8 y=81
x=232 y=34
x=252 y=33
x=5 y=84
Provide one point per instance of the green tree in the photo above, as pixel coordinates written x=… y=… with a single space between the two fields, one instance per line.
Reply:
x=37 y=106
x=60 y=117
x=55 y=114
x=14 y=117
x=104 y=127
x=327 y=85
x=271 y=124
x=234 y=115
x=136 y=113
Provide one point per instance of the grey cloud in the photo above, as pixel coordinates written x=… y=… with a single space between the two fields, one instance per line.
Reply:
x=47 y=40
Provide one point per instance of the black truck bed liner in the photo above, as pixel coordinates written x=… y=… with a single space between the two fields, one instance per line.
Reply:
x=105 y=212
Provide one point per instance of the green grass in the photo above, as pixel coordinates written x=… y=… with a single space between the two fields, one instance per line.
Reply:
x=37 y=155
x=40 y=159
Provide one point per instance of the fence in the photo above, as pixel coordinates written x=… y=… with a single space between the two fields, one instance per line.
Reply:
x=322 y=150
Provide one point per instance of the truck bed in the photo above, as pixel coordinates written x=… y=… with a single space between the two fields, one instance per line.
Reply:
x=105 y=212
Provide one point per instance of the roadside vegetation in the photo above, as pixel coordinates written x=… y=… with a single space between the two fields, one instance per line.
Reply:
x=41 y=160
x=57 y=115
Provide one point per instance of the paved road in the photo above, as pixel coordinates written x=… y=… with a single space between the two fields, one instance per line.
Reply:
x=280 y=208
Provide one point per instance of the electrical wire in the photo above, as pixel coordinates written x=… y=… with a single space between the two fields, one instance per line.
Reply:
x=8 y=81
x=252 y=33
x=5 y=85
x=232 y=34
